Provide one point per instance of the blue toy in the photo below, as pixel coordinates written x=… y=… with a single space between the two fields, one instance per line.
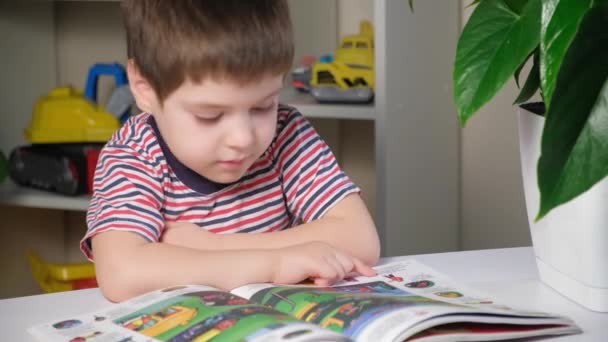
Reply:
x=326 y=58
x=121 y=100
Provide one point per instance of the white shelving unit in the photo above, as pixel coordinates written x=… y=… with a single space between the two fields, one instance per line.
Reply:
x=18 y=196
x=309 y=107
x=415 y=129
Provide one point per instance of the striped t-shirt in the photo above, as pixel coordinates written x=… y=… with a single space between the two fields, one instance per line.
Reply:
x=139 y=184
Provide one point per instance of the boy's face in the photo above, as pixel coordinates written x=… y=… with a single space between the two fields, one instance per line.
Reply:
x=219 y=128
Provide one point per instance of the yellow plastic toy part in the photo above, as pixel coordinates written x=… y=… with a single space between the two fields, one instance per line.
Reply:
x=58 y=277
x=66 y=116
x=342 y=75
x=358 y=50
x=353 y=64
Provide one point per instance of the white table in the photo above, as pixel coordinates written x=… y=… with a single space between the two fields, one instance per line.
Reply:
x=509 y=275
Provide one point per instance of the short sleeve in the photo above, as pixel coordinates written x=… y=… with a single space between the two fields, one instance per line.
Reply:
x=127 y=196
x=311 y=178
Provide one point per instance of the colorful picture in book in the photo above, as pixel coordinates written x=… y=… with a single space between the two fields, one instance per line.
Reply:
x=394 y=278
x=202 y=316
x=67 y=324
x=86 y=337
x=449 y=294
x=345 y=309
x=420 y=284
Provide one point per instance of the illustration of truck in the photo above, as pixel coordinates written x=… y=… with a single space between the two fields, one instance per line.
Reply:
x=161 y=321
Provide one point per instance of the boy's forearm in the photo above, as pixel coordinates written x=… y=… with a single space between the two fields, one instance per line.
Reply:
x=348 y=227
x=151 y=266
x=356 y=238
x=359 y=241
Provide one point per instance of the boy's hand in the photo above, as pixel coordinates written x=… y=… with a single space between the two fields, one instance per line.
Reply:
x=318 y=261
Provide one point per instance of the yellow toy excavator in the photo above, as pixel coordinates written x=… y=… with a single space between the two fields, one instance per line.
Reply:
x=67 y=131
x=67 y=115
x=64 y=115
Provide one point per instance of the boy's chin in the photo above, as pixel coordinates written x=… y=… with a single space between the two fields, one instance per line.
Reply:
x=226 y=178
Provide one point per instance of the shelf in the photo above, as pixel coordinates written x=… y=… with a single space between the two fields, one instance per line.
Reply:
x=11 y=194
x=307 y=105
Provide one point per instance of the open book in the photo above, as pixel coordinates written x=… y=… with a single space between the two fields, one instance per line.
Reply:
x=405 y=301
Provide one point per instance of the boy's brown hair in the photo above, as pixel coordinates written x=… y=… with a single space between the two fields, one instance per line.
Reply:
x=171 y=41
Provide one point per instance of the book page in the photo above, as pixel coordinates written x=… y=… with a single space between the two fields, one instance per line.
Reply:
x=381 y=308
x=184 y=313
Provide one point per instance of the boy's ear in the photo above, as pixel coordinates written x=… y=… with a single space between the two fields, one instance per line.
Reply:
x=144 y=94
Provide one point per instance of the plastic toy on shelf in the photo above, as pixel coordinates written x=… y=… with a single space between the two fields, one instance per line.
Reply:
x=111 y=69
x=300 y=75
x=67 y=131
x=349 y=78
x=64 y=115
x=67 y=115
x=61 y=277
x=67 y=169
x=121 y=101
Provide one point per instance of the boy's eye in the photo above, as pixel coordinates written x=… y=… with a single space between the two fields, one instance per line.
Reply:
x=207 y=119
x=263 y=109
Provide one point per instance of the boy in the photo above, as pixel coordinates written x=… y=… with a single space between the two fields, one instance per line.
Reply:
x=215 y=154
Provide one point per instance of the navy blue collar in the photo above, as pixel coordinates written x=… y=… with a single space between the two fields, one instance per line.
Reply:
x=186 y=175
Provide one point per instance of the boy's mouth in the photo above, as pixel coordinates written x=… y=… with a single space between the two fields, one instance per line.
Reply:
x=232 y=163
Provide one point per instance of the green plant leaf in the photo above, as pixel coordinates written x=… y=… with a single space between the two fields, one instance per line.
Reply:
x=559 y=23
x=574 y=150
x=532 y=82
x=516 y=5
x=494 y=42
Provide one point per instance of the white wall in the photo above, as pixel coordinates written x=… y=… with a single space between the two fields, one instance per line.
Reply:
x=350 y=14
x=26 y=29
x=88 y=33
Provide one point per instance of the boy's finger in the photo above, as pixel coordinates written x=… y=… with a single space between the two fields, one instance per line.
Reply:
x=322 y=282
x=338 y=267
x=326 y=271
x=363 y=269
x=346 y=261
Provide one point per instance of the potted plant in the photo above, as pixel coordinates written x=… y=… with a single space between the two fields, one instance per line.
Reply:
x=564 y=138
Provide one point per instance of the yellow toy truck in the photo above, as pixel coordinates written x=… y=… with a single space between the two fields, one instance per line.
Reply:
x=349 y=78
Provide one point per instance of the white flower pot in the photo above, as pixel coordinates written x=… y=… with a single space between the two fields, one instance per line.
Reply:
x=571 y=242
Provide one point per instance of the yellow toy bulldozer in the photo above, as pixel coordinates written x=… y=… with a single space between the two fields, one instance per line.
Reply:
x=350 y=76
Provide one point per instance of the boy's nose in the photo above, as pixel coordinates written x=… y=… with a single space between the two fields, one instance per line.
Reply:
x=240 y=134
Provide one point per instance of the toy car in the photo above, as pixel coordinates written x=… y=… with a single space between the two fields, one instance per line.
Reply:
x=300 y=76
